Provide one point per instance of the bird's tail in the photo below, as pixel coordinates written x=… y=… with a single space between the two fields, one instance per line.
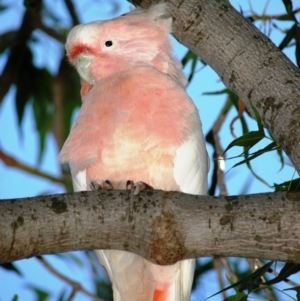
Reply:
x=160 y=295
x=136 y=279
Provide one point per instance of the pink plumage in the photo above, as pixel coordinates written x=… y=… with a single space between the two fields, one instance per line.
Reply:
x=136 y=123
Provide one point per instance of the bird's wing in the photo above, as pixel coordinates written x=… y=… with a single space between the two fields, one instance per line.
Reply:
x=161 y=283
x=191 y=165
x=79 y=180
x=136 y=279
x=131 y=279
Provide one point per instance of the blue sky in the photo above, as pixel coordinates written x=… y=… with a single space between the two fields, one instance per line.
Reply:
x=23 y=145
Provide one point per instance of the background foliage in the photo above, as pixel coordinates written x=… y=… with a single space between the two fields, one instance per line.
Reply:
x=39 y=99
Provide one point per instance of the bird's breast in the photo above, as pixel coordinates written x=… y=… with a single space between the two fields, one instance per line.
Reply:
x=130 y=126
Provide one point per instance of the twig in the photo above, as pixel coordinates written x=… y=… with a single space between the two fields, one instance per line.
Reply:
x=264 y=17
x=218 y=155
x=75 y=285
x=50 y=32
x=241 y=109
x=267 y=290
x=12 y=162
x=273 y=272
x=218 y=268
x=72 y=295
x=228 y=269
x=71 y=9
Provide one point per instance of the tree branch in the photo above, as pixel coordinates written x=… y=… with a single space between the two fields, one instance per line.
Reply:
x=218 y=178
x=163 y=227
x=70 y=6
x=246 y=61
x=50 y=32
x=12 y=162
x=76 y=287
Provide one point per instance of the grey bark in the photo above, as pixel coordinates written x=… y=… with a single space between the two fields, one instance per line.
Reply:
x=163 y=227
x=247 y=62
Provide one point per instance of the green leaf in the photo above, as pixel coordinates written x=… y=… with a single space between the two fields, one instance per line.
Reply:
x=288 y=270
x=247 y=140
x=257 y=117
x=68 y=82
x=254 y=155
x=104 y=290
x=40 y=295
x=231 y=282
x=240 y=296
x=32 y=4
x=24 y=85
x=250 y=282
x=62 y=296
x=289 y=8
x=15 y=298
x=291 y=34
x=249 y=157
x=279 y=151
x=43 y=107
x=11 y=267
x=297 y=289
x=224 y=91
x=285 y=17
x=6 y=40
x=280 y=155
x=297 y=52
x=231 y=95
x=193 y=58
x=293 y=185
x=3 y=7
x=36 y=85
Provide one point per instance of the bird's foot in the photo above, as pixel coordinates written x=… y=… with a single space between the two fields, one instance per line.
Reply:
x=137 y=187
x=105 y=185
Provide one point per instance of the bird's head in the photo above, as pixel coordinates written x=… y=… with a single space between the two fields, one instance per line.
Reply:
x=139 y=38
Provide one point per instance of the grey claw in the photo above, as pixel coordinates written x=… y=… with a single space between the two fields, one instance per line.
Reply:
x=107 y=185
x=129 y=185
x=139 y=186
x=95 y=186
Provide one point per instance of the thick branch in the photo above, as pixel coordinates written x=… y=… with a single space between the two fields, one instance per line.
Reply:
x=246 y=61
x=163 y=227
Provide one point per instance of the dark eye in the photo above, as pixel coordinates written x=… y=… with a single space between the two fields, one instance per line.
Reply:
x=108 y=43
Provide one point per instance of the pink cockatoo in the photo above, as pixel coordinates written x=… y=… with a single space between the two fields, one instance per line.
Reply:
x=136 y=124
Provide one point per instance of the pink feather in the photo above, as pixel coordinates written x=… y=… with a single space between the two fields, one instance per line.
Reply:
x=136 y=123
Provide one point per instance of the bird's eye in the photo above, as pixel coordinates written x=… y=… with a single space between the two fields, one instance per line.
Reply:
x=108 y=43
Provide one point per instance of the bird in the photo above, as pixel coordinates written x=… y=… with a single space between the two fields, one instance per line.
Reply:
x=136 y=125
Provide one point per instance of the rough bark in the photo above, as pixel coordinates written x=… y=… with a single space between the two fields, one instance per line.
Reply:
x=163 y=227
x=246 y=61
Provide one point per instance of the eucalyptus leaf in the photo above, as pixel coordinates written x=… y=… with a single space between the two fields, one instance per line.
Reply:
x=250 y=282
x=193 y=58
x=288 y=270
x=290 y=35
x=247 y=140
